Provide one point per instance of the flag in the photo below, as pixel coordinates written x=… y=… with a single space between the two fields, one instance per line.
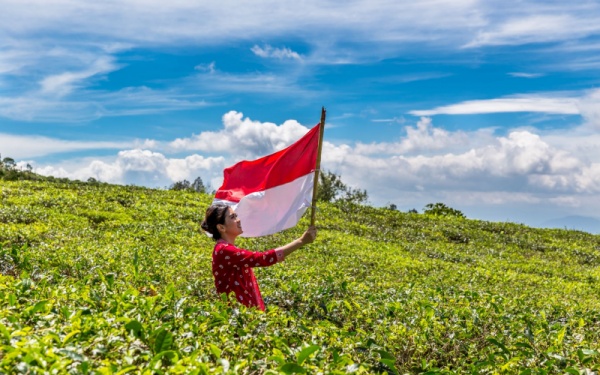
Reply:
x=272 y=193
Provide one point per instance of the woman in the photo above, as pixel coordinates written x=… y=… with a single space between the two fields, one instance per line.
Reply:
x=232 y=266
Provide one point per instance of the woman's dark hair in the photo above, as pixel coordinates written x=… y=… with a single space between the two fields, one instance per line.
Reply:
x=215 y=215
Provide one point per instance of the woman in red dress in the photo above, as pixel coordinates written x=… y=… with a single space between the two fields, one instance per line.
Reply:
x=232 y=266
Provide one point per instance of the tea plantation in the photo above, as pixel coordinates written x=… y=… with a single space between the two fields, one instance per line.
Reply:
x=104 y=279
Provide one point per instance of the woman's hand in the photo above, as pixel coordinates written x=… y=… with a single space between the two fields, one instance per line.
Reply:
x=309 y=236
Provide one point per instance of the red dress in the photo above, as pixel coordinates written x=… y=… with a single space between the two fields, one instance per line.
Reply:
x=232 y=269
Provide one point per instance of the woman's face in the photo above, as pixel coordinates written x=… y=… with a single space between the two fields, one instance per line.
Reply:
x=233 y=225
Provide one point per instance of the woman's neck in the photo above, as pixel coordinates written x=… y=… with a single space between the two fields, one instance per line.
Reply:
x=228 y=239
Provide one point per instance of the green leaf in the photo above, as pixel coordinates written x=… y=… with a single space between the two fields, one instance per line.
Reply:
x=389 y=363
x=70 y=336
x=163 y=340
x=135 y=327
x=500 y=345
x=171 y=355
x=292 y=368
x=385 y=355
x=589 y=352
x=306 y=352
x=277 y=358
x=524 y=345
x=136 y=263
x=4 y=332
x=125 y=370
x=40 y=306
x=216 y=352
x=304 y=328
x=110 y=280
x=71 y=354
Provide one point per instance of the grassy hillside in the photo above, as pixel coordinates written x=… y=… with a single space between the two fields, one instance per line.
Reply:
x=105 y=279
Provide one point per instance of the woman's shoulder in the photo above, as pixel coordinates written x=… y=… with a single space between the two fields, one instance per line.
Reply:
x=222 y=245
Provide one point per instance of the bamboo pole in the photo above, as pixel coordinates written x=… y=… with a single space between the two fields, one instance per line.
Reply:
x=317 y=168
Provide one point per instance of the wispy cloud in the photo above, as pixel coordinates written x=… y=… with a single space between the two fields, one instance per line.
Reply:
x=30 y=146
x=63 y=83
x=278 y=53
x=207 y=68
x=526 y=75
x=267 y=83
x=82 y=41
x=91 y=105
x=535 y=28
x=585 y=104
x=523 y=103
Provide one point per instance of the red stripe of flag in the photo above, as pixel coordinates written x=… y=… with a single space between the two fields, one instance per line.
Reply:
x=246 y=177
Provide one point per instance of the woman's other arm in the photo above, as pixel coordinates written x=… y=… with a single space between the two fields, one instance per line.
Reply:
x=308 y=237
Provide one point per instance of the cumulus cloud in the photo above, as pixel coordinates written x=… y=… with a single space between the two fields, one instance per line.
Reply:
x=520 y=163
x=427 y=164
x=243 y=137
x=426 y=158
x=423 y=138
x=137 y=166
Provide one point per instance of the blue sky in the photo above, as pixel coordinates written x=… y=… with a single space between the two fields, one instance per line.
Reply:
x=492 y=108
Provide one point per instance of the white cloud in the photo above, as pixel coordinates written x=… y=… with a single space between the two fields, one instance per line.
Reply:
x=91 y=105
x=526 y=75
x=589 y=106
x=29 y=146
x=243 y=137
x=253 y=82
x=521 y=166
x=321 y=23
x=535 y=28
x=522 y=170
x=208 y=68
x=586 y=104
x=81 y=41
x=178 y=21
x=521 y=103
x=63 y=83
x=422 y=139
x=425 y=159
x=137 y=166
x=278 y=53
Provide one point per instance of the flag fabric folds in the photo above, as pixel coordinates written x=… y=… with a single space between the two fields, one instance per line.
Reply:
x=272 y=193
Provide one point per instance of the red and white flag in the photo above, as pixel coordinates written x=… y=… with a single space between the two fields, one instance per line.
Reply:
x=272 y=193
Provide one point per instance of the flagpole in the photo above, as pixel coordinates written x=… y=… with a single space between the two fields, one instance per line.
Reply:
x=317 y=168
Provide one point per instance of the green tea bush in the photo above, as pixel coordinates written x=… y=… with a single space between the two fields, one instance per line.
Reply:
x=104 y=279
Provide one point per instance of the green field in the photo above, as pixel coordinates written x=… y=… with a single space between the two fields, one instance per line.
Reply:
x=106 y=279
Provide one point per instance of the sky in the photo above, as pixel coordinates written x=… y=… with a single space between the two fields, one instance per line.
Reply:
x=490 y=107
